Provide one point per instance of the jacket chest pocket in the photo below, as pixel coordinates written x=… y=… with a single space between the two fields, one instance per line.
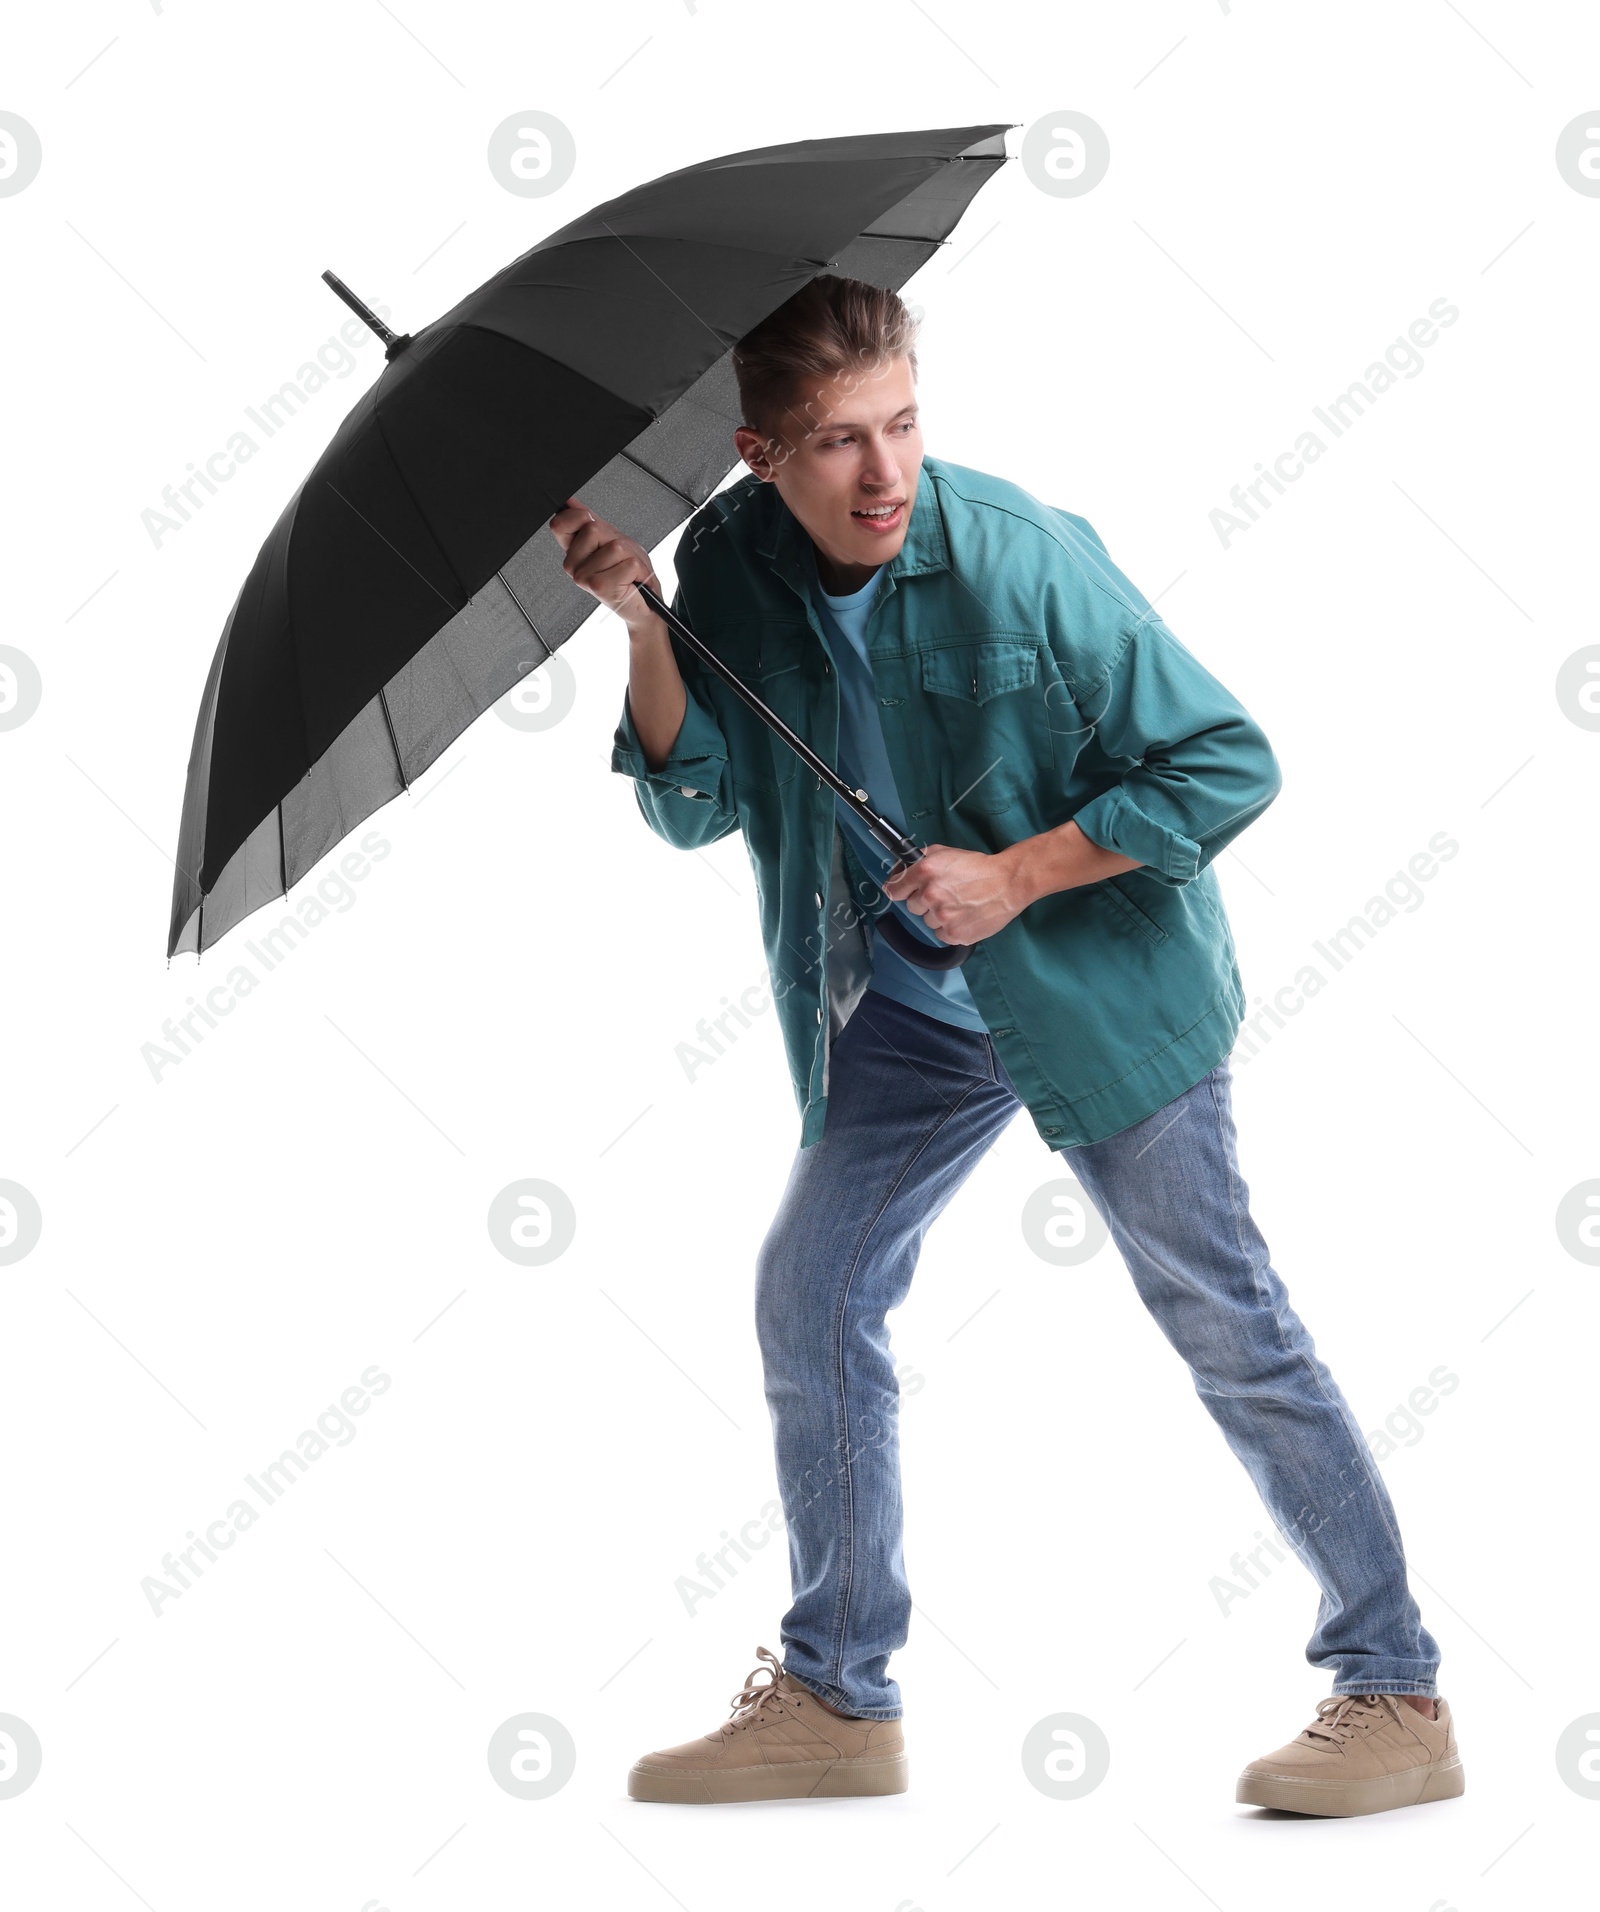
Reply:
x=986 y=704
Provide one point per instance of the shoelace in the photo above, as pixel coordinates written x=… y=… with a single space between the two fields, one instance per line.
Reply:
x=758 y=1694
x=1342 y=1715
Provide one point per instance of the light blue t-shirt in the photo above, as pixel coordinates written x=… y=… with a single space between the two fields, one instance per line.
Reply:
x=864 y=765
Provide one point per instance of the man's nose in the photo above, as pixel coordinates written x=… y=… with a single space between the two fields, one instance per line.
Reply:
x=882 y=468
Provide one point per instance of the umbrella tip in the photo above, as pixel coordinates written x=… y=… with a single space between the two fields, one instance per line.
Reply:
x=393 y=342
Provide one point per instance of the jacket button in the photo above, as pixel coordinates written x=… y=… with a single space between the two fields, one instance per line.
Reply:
x=816 y=897
x=1052 y=1131
x=819 y=1019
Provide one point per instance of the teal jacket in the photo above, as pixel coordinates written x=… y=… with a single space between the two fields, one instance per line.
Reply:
x=1021 y=680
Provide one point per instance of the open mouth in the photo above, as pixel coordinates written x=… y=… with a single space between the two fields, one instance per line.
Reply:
x=881 y=517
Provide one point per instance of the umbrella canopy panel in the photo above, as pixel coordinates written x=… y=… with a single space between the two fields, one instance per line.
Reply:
x=412 y=580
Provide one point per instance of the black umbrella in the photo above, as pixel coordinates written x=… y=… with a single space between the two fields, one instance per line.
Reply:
x=397 y=597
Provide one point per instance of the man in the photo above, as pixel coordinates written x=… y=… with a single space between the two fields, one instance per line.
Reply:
x=975 y=661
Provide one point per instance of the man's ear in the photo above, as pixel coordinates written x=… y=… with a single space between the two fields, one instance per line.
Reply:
x=752 y=448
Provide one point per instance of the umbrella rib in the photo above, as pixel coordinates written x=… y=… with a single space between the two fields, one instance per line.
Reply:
x=511 y=592
x=392 y=546
x=394 y=741
x=694 y=504
x=724 y=343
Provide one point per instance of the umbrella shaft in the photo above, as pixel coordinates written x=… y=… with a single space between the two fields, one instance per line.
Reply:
x=893 y=840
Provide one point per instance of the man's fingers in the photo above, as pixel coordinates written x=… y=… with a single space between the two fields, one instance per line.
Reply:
x=611 y=552
x=604 y=578
x=567 y=524
x=588 y=538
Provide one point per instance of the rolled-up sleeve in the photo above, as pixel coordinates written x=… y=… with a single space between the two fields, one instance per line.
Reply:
x=689 y=801
x=1202 y=769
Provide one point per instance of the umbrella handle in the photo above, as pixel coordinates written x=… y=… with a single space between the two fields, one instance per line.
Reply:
x=912 y=947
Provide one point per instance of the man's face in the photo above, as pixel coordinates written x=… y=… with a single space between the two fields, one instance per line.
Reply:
x=849 y=466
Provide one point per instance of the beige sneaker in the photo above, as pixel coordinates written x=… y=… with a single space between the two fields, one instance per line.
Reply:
x=1362 y=1753
x=779 y=1743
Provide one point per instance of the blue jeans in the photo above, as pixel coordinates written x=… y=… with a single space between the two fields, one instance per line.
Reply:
x=912 y=1106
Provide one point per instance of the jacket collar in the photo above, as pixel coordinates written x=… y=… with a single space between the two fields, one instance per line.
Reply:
x=783 y=540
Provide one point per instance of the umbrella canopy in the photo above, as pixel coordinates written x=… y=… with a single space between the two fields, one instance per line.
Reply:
x=412 y=579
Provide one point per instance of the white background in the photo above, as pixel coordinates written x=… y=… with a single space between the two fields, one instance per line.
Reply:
x=227 y=1248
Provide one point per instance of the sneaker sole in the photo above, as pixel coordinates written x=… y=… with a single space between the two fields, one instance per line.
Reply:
x=804 y=1779
x=1446 y=1780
